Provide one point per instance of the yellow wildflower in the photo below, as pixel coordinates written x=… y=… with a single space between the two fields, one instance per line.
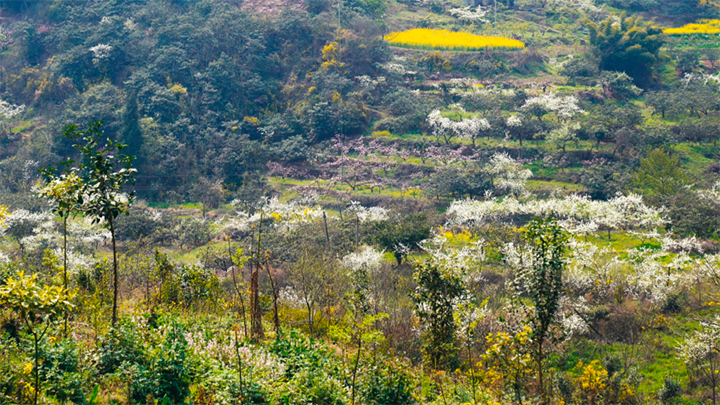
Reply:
x=700 y=27
x=444 y=39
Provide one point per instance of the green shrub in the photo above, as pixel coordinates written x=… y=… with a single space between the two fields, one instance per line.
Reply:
x=386 y=383
x=312 y=387
x=119 y=346
x=299 y=353
x=61 y=370
x=165 y=371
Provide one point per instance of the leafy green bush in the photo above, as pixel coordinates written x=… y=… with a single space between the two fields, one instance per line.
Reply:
x=190 y=285
x=386 y=382
x=119 y=346
x=62 y=372
x=165 y=370
x=299 y=352
x=312 y=387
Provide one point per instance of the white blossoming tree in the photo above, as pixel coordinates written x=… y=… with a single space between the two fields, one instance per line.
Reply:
x=566 y=107
x=701 y=353
x=441 y=127
x=472 y=128
x=362 y=266
x=470 y=14
x=444 y=128
x=286 y=216
x=507 y=175
x=560 y=137
x=8 y=110
x=577 y=214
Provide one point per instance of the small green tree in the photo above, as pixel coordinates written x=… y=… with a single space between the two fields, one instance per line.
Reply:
x=209 y=193
x=435 y=296
x=36 y=306
x=542 y=283
x=63 y=191
x=356 y=332
x=660 y=175
x=101 y=195
x=401 y=234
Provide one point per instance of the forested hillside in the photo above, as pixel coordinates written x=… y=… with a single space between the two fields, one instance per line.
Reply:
x=359 y=202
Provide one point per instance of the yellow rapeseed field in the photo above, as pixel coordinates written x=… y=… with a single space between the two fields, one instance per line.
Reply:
x=426 y=38
x=700 y=27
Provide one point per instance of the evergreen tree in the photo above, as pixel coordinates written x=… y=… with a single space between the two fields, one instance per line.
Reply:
x=131 y=132
x=627 y=44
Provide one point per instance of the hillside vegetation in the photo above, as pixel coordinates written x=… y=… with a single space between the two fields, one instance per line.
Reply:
x=359 y=202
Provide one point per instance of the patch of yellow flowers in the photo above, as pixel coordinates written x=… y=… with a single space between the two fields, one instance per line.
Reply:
x=700 y=27
x=427 y=38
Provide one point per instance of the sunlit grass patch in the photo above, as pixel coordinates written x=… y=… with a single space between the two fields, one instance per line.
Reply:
x=425 y=38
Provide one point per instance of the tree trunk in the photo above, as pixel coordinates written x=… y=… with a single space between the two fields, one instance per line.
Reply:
x=37 y=369
x=239 y=360
x=310 y=316
x=115 y=271
x=541 y=384
x=357 y=363
x=276 y=316
x=65 y=265
x=239 y=294
x=327 y=234
x=257 y=332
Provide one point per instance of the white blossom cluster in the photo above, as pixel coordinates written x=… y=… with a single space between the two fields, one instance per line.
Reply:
x=705 y=78
x=365 y=258
x=101 y=51
x=222 y=347
x=514 y=121
x=702 y=345
x=507 y=174
x=712 y=195
x=87 y=232
x=290 y=297
x=517 y=257
x=367 y=81
x=367 y=214
x=587 y=6
x=573 y=324
x=590 y=268
x=8 y=110
x=469 y=14
x=659 y=273
x=578 y=214
x=397 y=68
x=565 y=106
x=27 y=220
x=468 y=128
x=462 y=261
x=286 y=214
